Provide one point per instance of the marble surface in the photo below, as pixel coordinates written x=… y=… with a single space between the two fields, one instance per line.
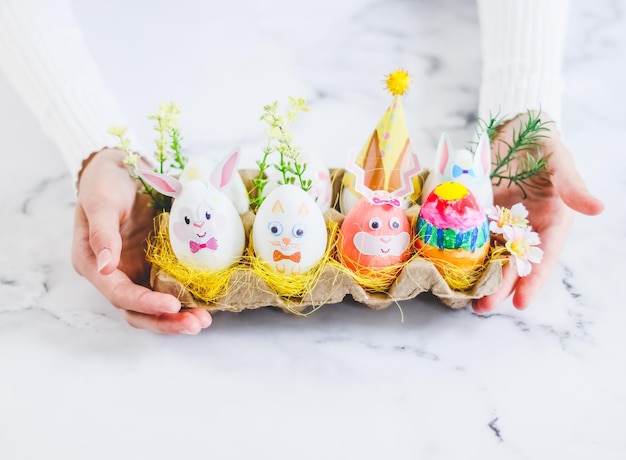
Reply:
x=424 y=382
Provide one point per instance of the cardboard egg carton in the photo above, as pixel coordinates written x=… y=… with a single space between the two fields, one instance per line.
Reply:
x=247 y=290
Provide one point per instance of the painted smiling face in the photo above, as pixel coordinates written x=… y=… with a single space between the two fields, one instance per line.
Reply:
x=374 y=236
x=289 y=232
x=205 y=230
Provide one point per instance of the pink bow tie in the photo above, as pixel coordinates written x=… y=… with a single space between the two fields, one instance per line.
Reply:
x=195 y=247
x=386 y=200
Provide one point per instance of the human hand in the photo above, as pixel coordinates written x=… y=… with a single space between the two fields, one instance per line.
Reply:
x=552 y=200
x=111 y=224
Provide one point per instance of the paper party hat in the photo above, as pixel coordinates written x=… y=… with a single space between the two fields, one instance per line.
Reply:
x=387 y=152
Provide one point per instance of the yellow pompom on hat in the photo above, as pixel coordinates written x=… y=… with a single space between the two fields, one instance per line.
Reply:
x=387 y=152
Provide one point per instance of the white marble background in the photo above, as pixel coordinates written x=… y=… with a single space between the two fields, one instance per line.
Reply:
x=77 y=382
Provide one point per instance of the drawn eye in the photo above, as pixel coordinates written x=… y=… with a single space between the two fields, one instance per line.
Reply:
x=298 y=230
x=207 y=215
x=275 y=228
x=375 y=223
x=187 y=220
x=394 y=223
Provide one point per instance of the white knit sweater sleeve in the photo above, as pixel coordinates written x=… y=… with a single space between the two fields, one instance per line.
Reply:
x=45 y=57
x=522 y=49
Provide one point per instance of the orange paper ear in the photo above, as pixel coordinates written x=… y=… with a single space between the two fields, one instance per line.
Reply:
x=373 y=165
x=303 y=210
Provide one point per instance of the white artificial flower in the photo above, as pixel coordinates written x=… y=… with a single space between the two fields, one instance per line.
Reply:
x=502 y=217
x=521 y=243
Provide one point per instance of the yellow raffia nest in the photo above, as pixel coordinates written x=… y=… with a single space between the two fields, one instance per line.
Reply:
x=252 y=284
x=462 y=279
x=206 y=286
x=294 y=288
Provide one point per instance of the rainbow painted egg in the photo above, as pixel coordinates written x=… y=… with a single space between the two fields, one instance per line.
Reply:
x=453 y=229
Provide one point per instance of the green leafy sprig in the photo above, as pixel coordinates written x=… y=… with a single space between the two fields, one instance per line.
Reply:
x=169 y=155
x=279 y=142
x=523 y=157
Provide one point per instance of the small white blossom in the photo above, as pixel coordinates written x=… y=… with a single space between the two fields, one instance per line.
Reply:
x=118 y=131
x=502 y=217
x=131 y=159
x=521 y=243
x=167 y=115
x=298 y=104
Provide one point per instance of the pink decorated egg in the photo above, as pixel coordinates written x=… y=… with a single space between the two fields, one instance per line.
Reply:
x=374 y=236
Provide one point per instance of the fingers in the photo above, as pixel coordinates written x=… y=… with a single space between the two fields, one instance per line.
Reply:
x=106 y=193
x=553 y=216
x=116 y=286
x=82 y=256
x=186 y=322
x=104 y=235
x=570 y=185
x=488 y=303
x=552 y=238
x=527 y=288
x=124 y=294
x=96 y=238
x=143 y=308
x=97 y=246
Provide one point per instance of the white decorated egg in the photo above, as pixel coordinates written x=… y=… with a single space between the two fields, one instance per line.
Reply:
x=205 y=230
x=289 y=232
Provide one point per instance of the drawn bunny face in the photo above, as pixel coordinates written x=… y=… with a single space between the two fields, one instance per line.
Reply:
x=289 y=232
x=471 y=170
x=205 y=229
x=375 y=235
x=376 y=232
x=198 y=218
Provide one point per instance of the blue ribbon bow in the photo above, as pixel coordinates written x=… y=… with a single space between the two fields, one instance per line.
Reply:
x=457 y=171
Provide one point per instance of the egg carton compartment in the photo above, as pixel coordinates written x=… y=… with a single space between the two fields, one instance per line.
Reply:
x=247 y=290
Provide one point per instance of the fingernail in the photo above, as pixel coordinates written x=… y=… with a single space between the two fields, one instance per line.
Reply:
x=185 y=331
x=170 y=307
x=104 y=258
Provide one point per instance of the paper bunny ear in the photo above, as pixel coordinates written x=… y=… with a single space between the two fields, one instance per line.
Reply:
x=225 y=170
x=359 y=175
x=406 y=184
x=411 y=166
x=167 y=185
x=482 y=158
x=444 y=151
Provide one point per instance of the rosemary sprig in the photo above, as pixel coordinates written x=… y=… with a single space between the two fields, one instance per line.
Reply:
x=491 y=127
x=523 y=157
